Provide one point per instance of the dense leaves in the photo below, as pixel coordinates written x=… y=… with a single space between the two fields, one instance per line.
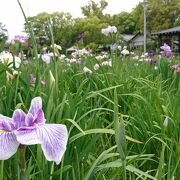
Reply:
x=161 y=14
x=62 y=26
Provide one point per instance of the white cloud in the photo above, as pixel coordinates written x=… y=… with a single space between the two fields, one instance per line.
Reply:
x=11 y=15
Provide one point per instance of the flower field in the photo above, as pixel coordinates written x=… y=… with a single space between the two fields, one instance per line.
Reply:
x=86 y=115
x=91 y=96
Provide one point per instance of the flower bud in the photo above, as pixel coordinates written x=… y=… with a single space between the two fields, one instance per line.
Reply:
x=165 y=123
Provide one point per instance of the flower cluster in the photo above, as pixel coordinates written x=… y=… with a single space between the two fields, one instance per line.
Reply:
x=29 y=129
x=152 y=61
x=151 y=54
x=73 y=61
x=104 y=63
x=101 y=57
x=20 y=39
x=81 y=53
x=87 y=70
x=13 y=63
x=167 y=52
x=32 y=80
x=8 y=59
x=175 y=68
x=125 y=52
x=46 y=57
x=108 y=30
x=97 y=66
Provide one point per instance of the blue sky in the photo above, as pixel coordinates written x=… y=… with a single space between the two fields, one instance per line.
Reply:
x=11 y=16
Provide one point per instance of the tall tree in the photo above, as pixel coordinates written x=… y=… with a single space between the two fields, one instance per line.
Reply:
x=91 y=28
x=124 y=22
x=162 y=14
x=94 y=9
x=3 y=35
x=137 y=16
x=62 y=25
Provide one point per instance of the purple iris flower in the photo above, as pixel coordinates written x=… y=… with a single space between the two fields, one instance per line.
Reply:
x=30 y=46
x=21 y=39
x=113 y=47
x=108 y=30
x=29 y=129
x=152 y=61
x=32 y=79
x=80 y=36
x=165 y=47
x=25 y=62
x=177 y=69
x=167 y=52
x=104 y=52
x=46 y=58
x=105 y=32
x=16 y=38
x=151 y=53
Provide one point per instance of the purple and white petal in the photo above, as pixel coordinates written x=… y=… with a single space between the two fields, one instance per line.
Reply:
x=6 y=123
x=4 y=118
x=29 y=120
x=19 y=118
x=39 y=118
x=54 y=139
x=36 y=105
x=27 y=135
x=8 y=145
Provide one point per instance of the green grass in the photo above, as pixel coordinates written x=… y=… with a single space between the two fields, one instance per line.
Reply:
x=85 y=103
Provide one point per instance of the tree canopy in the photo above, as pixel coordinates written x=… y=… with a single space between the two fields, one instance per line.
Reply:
x=3 y=35
x=161 y=14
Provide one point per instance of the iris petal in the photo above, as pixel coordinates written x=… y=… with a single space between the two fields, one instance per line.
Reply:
x=36 y=105
x=19 y=118
x=52 y=137
x=4 y=118
x=36 y=110
x=6 y=123
x=29 y=119
x=27 y=135
x=53 y=141
x=8 y=144
x=39 y=118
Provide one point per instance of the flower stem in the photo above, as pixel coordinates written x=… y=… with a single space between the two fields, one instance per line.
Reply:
x=124 y=169
x=22 y=176
x=22 y=162
x=1 y=170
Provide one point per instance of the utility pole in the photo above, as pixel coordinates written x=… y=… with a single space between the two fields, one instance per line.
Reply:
x=145 y=29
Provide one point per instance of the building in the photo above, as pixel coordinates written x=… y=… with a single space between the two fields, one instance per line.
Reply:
x=169 y=36
x=137 y=41
x=127 y=37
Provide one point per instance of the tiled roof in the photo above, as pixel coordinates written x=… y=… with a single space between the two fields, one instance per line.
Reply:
x=171 y=30
x=127 y=37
